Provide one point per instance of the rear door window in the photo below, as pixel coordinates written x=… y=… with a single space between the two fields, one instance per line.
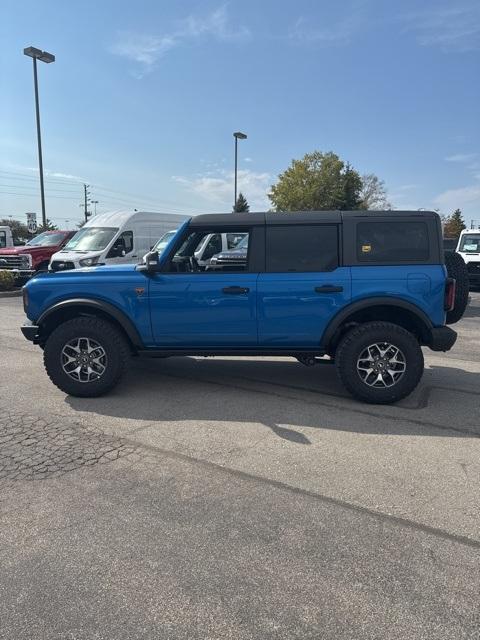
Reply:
x=302 y=248
x=392 y=242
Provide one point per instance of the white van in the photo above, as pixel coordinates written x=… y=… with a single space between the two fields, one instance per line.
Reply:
x=113 y=238
x=6 y=238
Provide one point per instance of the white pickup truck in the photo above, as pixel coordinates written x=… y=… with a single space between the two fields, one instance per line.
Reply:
x=6 y=238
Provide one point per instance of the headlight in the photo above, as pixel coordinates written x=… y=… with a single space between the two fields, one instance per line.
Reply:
x=88 y=262
x=27 y=260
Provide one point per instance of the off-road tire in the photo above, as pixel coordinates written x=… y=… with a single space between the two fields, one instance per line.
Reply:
x=357 y=340
x=456 y=268
x=108 y=336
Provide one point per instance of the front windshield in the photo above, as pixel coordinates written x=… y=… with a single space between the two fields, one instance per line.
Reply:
x=164 y=240
x=243 y=244
x=91 y=239
x=46 y=240
x=470 y=243
x=3 y=239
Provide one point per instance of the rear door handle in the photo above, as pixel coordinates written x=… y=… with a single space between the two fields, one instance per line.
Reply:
x=328 y=288
x=236 y=290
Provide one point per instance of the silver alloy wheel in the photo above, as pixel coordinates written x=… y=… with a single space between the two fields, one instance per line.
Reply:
x=381 y=365
x=84 y=360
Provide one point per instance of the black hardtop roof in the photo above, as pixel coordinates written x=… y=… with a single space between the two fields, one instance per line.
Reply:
x=297 y=217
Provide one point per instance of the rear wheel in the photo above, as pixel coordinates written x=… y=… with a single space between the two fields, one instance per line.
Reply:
x=456 y=268
x=85 y=357
x=379 y=362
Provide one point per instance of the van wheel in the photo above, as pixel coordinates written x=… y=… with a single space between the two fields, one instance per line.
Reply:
x=456 y=268
x=379 y=362
x=85 y=357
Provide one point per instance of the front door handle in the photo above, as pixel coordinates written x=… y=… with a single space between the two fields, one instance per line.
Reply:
x=236 y=290
x=328 y=288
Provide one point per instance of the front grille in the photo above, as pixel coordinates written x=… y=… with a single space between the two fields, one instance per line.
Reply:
x=61 y=265
x=14 y=262
x=473 y=267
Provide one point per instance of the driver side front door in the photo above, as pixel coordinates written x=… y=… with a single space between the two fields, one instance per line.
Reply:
x=204 y=309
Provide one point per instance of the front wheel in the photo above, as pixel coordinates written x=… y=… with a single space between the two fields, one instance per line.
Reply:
x=86 y=356
x=379 y=362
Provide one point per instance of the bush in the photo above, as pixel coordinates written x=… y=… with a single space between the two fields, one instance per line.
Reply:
x=7 y=280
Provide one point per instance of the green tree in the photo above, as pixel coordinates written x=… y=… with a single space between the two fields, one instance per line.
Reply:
x=49 y=226
x=454 y=225
x=241 y=204
x=19 y=230
x=319 y=181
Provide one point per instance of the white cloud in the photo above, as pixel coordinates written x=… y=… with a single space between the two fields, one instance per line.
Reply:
x=465 y=198
x=452 y=28
x=145 y=50
x=461 y=157
x=217 y=190
x=248 y=159
x=303 y=32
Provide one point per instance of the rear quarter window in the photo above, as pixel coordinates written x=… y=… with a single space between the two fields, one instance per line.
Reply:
x=392 y=242
x=302 y=248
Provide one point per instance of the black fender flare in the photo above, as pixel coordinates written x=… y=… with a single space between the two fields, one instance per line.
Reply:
x=360 y=305
x=98 y=305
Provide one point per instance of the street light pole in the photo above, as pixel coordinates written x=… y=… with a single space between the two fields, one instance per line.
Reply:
x=238 y=135
x=44 y=56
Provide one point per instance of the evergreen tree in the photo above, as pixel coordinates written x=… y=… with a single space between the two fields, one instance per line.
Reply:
x=454 y=225
x=241 y=204
x=50 y=226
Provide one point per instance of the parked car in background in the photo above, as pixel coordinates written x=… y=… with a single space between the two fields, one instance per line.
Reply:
x=207 y=247
x=232 y=258
x=469 y=248
x=114 y=238
x=6 y=238
x=34 y=256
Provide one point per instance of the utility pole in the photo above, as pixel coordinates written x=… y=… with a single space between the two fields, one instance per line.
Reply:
x=86 y=193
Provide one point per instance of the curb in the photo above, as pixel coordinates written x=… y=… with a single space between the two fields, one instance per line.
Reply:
x=16 y=293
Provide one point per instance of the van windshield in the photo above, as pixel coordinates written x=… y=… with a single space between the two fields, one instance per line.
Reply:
x=164 y=240
x=470 y=243
x=91 y=239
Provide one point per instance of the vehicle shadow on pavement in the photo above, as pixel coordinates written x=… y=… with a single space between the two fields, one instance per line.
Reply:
x=282 y=395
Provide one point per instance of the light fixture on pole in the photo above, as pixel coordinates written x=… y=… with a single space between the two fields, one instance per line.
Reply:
x=238 y=135
x=43 y=56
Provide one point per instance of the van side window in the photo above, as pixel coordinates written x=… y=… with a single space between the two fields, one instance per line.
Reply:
x=303 y=247
x=127 y=240
x=122 y=246
x=392 y=242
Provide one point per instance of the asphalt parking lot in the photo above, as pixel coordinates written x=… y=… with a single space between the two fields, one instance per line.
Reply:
x=245 y=499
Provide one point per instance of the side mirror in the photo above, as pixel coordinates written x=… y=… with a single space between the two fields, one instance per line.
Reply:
x=151 y=262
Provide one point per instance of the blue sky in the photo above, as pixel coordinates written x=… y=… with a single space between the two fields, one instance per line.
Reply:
x=144 y=96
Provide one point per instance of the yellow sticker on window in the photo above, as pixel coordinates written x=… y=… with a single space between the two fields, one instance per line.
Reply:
x=366 y=248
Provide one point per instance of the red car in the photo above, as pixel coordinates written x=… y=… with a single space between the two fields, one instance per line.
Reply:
x=35 y=255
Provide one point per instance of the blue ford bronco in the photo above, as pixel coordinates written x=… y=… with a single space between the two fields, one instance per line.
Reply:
x=362 y=290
